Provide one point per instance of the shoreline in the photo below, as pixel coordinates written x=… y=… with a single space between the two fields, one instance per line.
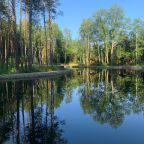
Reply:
x=112 y=67
x=35 y=75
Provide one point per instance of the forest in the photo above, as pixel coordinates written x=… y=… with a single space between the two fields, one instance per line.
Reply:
x=31 y=37
x=58 y=89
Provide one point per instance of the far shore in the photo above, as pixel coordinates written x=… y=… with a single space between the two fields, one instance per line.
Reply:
x=127 y=67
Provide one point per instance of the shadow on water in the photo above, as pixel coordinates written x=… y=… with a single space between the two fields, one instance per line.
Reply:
x=27 y=108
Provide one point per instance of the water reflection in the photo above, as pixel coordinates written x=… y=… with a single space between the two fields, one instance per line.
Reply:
x=28 y=108
x=108 y=96
x=27 y=112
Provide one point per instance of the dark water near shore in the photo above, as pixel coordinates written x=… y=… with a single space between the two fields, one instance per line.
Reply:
x=89 y=107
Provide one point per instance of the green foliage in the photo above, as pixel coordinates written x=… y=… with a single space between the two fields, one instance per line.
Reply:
x=114 y=39
x=10 y=70
x=107 y=37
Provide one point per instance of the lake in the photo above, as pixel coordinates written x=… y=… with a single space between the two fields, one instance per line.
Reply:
x=88 y=107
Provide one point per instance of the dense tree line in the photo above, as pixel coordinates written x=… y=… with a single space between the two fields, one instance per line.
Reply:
x=35 y=39
x=108 y=37
x=31 y=37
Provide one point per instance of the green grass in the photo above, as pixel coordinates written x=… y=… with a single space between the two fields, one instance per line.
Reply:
x=5 y=70
x=36 y=68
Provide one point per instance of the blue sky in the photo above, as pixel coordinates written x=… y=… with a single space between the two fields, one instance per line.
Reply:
x=76 y=10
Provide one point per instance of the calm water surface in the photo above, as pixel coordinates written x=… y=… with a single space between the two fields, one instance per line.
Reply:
x=89 y=107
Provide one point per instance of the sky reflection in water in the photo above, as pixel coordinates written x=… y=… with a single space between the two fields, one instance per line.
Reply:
x=92 y=106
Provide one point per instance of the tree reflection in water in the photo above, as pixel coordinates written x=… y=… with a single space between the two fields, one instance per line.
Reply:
x=41 y=130
x=28 y=108
x=27 y=112
x=109 y=96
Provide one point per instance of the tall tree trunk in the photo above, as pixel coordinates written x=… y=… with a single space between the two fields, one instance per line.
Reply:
x=112 y=52
x=3 y=49
x=102 y=57
x=25 y=51
x=85 y=51
x=21 y=43
x=136 y=54
x=65 y=55
x=88 y=50
x=46 y=39
x=65 y=58
x=15 y=33
x=30 y=37
x=50 y=36
x=83 y=56
x=99 y=57
x=8 y=37
x=106 y=55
